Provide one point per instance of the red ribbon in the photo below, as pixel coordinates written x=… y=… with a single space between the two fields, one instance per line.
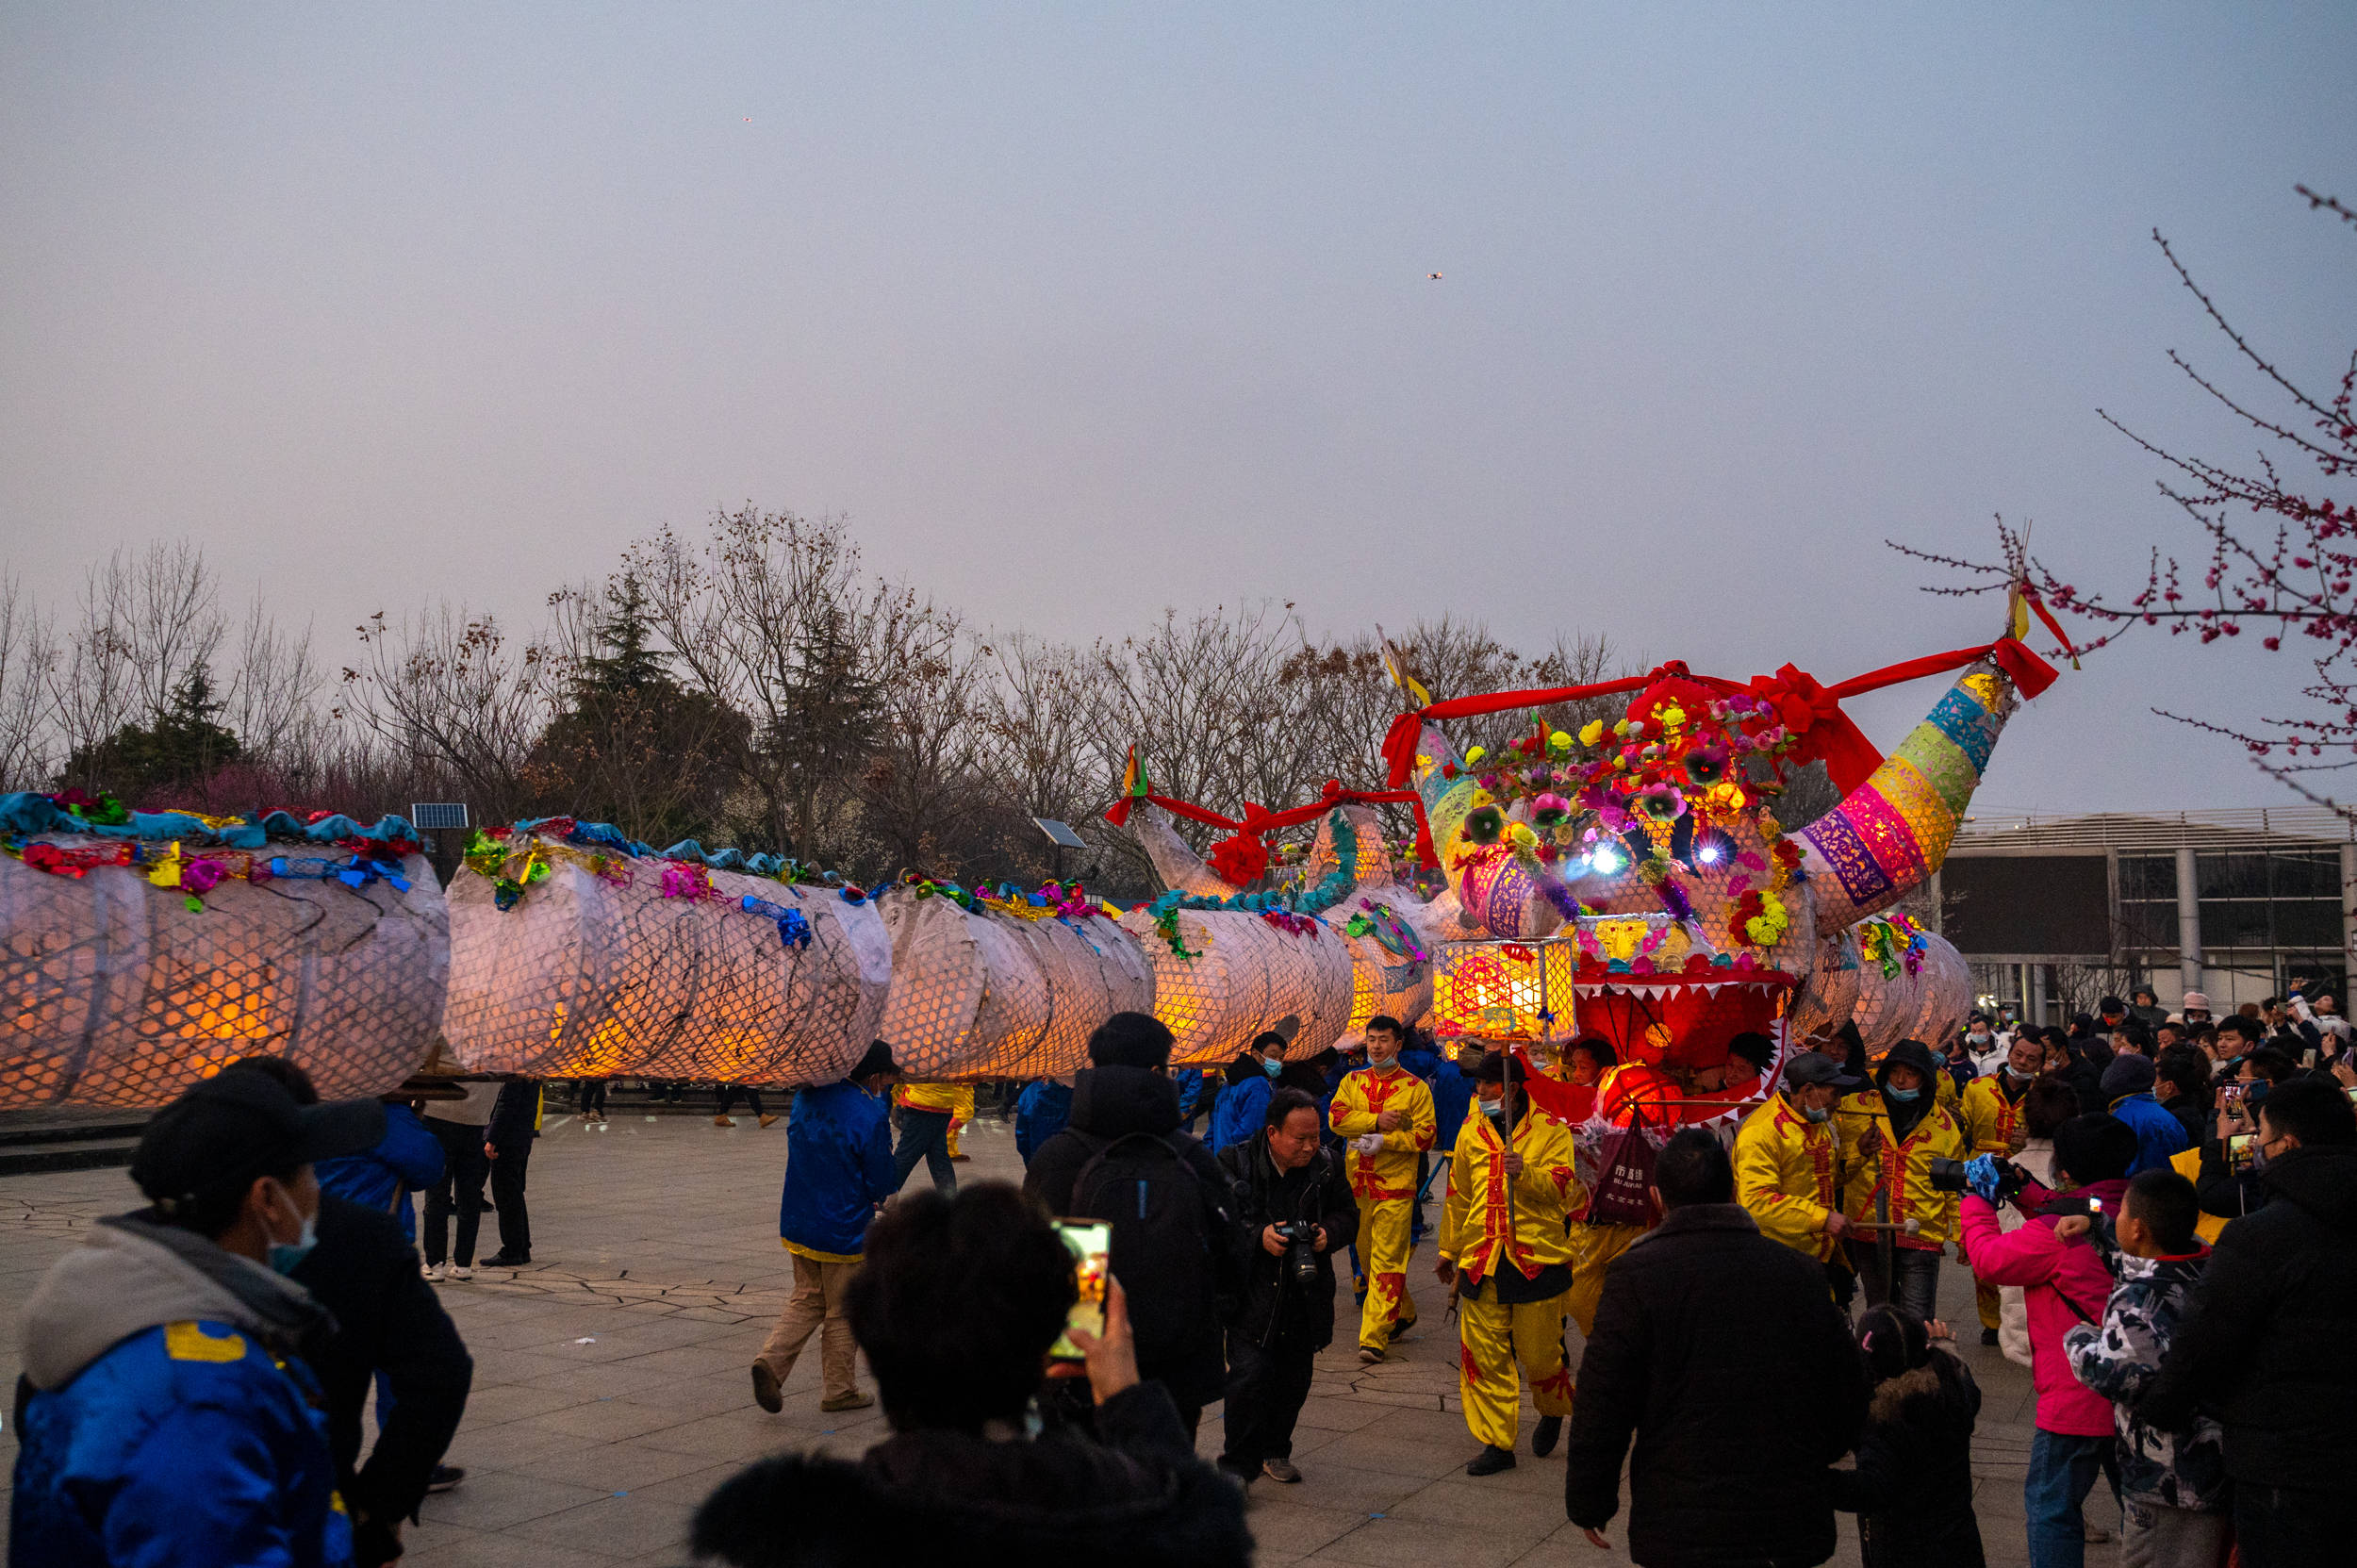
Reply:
x=1810 y=710
x=1242 y=859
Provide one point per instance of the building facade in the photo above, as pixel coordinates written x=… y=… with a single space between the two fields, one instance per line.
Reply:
x=2055 y=912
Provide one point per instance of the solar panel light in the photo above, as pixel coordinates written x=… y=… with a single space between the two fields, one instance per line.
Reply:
x=1060 y=832
x=433 y=814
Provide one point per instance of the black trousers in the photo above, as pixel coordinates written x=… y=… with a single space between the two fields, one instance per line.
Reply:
x=459 y=1191
x=593 y=1095
x=1266 y=1388
x=730 y=1092
x=507 y=1192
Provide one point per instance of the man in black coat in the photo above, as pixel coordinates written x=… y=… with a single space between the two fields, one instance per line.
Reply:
x=1282 y=1175
x=2265 y=1344
x=1722 y=1351
x=388 y=1321
x=1126 y=1093
x=507 y=1144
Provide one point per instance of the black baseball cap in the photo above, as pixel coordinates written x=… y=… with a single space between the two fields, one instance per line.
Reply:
x=240 y=1124
x=1813 y=1067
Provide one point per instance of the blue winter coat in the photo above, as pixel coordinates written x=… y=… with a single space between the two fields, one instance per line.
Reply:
x=1040 y=1113
x=1452 y=1101
x=1242 y=1110
x=407 y=1159
x=838 y=1167
x=1189 y=1082
x=2159 y=1134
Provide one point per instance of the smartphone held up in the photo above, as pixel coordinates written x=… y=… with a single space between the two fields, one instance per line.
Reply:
x=1091 y=1242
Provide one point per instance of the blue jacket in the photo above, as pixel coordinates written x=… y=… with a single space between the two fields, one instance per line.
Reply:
x=1189 y=1082
x=838 y=1167
x=407 y=1159
x=1242 y=1110
x=1040 y=1113
x=2158 y=1133
x=1452 y=1101
x=183 y=1440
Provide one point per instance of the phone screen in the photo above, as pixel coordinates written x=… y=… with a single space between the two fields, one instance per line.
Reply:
x=2239 y=1150
x=1092 y=1243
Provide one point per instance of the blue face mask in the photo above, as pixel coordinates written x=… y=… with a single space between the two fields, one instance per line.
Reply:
x=1815 y=1113
x=1905 y=1096
x=286 y=1256
x=1272 y=1066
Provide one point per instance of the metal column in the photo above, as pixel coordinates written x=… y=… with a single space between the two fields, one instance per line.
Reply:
x=2348 y=908
x=2189 y=921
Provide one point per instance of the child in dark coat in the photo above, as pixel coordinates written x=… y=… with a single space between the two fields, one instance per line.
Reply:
x=1912 y=1489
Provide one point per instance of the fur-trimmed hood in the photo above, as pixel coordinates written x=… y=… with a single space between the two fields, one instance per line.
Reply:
x=1931 y=1392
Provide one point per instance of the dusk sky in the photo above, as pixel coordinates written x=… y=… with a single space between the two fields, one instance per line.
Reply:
x=1077 y=313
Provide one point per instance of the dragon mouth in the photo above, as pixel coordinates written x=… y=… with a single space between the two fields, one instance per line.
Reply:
x=1681 y=1022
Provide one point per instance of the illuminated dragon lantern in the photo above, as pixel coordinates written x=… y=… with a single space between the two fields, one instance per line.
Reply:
x=1631 y=882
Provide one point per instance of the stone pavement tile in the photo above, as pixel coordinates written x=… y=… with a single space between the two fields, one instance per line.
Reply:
x=1342 y=1415
x=606 y=1380
x=1420 y=1544
x=616 y=1526
x=1325 y=1484
x=504 y=1402
x=1477 y=1505
x=709 y=1396
x=1570 y=1548
x=690 y=1489
x=495 y=1500
x=603 y=1420
x=611 y=1467
x=745 y=1434
x=504 y=1551
x=488 y=1449
x=1374 y=1449
x=1289 y=1527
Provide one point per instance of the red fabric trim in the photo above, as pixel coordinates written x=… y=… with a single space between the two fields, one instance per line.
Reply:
x=1245 y=836
x=1805 y=706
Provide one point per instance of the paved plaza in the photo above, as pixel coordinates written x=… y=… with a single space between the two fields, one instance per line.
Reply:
x=611 y=1391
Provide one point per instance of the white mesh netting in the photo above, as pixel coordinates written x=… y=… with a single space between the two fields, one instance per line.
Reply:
x=994 y=995
x=586 y=978
x=117 y=994
x=1924 y=1005
x=1830 y=994
x=1249 y=975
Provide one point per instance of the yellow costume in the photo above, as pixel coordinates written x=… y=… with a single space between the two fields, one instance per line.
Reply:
x=2188 y=1164
x=1487 y=1230
x=1786 y=1176
x=1385 y=1186
x=1902 y=1169
x=1992 y=1120
x=1594 y=1247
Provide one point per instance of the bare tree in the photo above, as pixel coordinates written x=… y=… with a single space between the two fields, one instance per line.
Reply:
x=452 y=692
x=29 y=751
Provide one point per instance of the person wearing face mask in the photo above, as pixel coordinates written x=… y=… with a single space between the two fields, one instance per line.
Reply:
x=1787 y=1166
x=1891 y=1134
x=165 y=1413
x=1983 y=1047
x=1251 y=1077
x=1384 y=1113
x=1992 y=1124
x=1511 y=1187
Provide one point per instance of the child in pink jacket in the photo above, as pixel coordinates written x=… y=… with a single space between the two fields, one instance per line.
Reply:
x=2064 y=1283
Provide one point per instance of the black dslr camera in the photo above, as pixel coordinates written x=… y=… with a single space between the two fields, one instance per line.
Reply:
x=1947 y=1176
x=1300 y=1261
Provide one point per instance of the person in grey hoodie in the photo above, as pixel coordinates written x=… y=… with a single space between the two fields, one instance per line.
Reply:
x=164 y=1413
x=2173 y=1487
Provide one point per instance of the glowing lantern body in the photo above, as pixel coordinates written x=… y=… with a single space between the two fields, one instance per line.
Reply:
x=997 y=994
x=591 y=976
x=1515 y=992
x=1248 y=974
x=116 y=993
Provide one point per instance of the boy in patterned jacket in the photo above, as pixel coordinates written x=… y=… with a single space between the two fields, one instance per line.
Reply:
x=2173 y=1485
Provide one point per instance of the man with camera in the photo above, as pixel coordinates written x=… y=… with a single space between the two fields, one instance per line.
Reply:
x=1289 y=1196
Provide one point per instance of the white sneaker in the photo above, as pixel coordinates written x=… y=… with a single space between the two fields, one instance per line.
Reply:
x=460 y=1271
x=431 y=1271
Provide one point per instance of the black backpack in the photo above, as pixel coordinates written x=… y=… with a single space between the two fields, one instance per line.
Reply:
x=1165 y=1252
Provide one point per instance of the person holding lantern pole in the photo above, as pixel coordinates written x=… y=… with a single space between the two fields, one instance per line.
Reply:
x=1384 y=1113
x=1788 y=1166
x=1504 y=1249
